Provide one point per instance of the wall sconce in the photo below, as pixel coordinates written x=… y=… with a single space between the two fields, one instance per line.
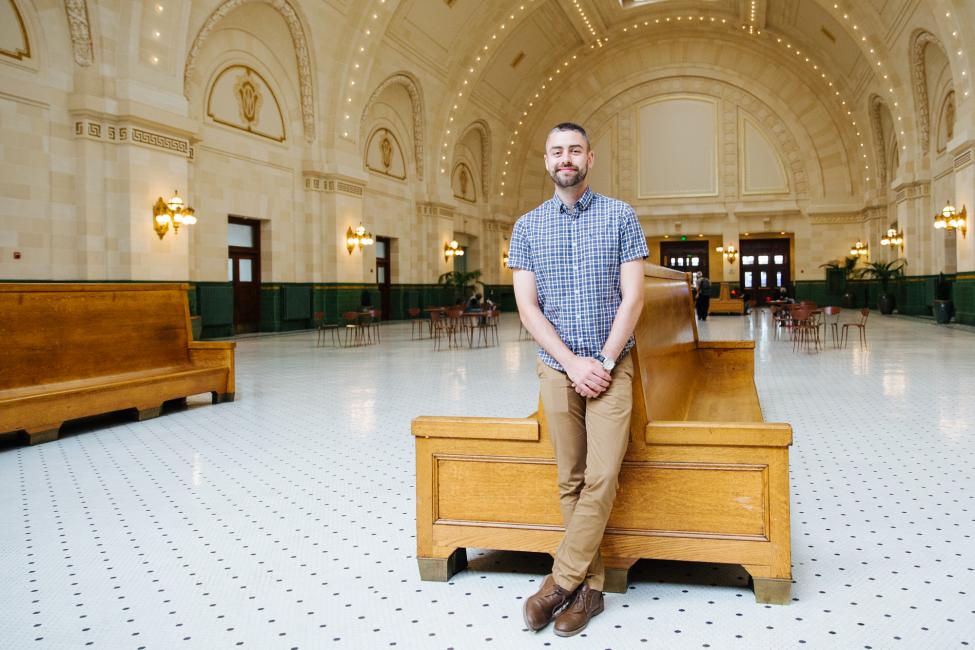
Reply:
x=730 y=253
x=452 y=249
x=859 y=248
x=173 y=213
x=504 y=258
x=892 y=238
x=358 y=237
x=949 y=219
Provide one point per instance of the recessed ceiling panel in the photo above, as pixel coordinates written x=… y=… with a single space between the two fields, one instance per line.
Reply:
x=432 y=26
x=529 y=52
x=820 y=30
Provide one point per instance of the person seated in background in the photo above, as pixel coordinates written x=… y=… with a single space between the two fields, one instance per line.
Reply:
x=784 y=295
x=474 y=303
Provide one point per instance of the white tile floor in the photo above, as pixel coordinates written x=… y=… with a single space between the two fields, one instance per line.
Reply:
x=286 y=519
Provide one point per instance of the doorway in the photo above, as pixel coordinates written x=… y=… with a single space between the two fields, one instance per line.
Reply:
x=687 y=256
x=384 y=254
x=764 y=268
x=244 y=271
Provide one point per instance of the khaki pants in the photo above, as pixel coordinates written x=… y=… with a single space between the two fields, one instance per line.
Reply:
x=590 y=437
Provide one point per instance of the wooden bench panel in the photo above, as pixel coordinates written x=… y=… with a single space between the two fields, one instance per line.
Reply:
x=665 y=347
x=50 y=331
x=704 y=478
x=74 y=350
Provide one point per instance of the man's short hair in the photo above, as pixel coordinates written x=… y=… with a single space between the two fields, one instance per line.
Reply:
x=571 y=126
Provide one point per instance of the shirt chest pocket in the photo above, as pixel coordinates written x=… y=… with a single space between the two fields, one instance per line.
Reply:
x=600 y=249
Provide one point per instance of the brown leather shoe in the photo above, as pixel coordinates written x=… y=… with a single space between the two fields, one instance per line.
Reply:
x=541 y=607
x=574 y=618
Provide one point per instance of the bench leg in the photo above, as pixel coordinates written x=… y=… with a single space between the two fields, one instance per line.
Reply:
x=45 y=433
x=617 y=574
x=440 y=569
x=148 y=414
x=770 y=588
x=216 y=398
x=772 y=591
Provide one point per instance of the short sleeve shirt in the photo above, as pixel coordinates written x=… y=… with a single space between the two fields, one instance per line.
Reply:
x=575 y=253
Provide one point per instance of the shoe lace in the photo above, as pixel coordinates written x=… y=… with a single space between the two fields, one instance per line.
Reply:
x=579 y=602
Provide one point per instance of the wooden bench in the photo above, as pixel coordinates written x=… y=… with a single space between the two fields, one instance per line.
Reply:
x=704 y=479
x=725 y=304
x=75 y=350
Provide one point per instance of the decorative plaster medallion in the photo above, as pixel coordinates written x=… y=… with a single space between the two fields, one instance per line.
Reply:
x=236 y=99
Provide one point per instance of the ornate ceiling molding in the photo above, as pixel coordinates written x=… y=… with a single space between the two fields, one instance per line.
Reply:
x=302 y=54
x=879 y=146
x=80 y=28
x=919 y=40
x=412 y=86
x=482 y=127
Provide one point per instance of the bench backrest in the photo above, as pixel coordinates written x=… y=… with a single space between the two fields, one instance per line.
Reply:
x=59 y=332
x=666 y=346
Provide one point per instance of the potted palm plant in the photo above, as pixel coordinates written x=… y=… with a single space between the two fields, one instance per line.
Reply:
x=460 y=281
x=944 y=308
x=884 y=272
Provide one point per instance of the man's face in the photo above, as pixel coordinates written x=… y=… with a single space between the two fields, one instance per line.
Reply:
x=567 y=158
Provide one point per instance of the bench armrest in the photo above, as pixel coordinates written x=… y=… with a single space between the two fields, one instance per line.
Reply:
x=726 y=345
x=430 y=426
x=725 y=434
x=214 y=354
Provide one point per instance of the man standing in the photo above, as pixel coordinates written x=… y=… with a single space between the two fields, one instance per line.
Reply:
x=703 y=299
x=578 y=279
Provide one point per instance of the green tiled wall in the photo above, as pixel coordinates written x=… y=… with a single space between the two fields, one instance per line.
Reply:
x=215 y=304
x=963 y=295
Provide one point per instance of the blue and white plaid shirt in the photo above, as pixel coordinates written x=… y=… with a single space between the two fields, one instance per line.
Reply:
x=575 y=253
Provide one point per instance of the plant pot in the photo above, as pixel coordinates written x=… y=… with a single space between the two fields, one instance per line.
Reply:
x=943 y=311
x=849 y=300
x=885 y=303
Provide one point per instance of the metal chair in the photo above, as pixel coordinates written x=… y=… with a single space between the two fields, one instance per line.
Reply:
x=805 y=330
x=832 y=317
x=319 y=318
x=352 y=327
x=416 y=321
x=437 y=328
x=861 y=325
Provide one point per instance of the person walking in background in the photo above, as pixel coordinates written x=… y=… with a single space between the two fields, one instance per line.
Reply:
x=703 y=300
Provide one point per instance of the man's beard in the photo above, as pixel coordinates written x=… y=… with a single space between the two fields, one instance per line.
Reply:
x=570 y=181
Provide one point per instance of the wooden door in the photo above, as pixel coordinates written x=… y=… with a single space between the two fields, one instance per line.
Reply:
x=764 y=267
x=687 y=256
x=244 y=270
x=384 y=255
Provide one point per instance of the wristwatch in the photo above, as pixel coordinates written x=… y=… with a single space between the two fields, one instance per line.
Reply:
x=608 y=364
